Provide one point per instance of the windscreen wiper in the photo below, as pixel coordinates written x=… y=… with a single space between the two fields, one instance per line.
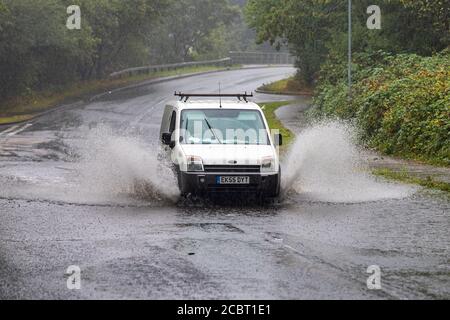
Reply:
x=212 y=130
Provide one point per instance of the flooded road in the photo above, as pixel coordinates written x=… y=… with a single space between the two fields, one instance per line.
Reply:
x=82 y=186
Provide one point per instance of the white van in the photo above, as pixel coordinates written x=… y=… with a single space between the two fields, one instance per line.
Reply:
x=221 y=146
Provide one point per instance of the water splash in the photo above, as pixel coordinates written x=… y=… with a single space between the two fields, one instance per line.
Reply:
x=112 y=164
x=324 y=164
x=102 y=168
x=110 y=168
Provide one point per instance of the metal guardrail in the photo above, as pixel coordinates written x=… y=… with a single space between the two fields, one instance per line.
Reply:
x=174 y=66
x=276 y=58
x=256 y=58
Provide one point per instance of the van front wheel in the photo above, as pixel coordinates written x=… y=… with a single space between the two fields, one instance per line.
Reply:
x=273 y=188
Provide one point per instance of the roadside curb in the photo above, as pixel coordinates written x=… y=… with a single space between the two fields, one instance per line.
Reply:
x=183 y=76
x=288 y=93
x=132 y=86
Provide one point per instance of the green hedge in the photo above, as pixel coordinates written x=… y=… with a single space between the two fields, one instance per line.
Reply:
x=401 y=103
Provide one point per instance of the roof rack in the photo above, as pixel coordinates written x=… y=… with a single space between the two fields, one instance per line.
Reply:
x=240 y=96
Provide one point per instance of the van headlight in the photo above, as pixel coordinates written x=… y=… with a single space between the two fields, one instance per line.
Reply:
x=268 y=164
x=194 y=164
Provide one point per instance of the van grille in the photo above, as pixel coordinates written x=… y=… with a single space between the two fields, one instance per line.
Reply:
x=232 y=169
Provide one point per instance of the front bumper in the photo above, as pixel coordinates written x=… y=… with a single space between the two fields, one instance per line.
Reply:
x=204 y=183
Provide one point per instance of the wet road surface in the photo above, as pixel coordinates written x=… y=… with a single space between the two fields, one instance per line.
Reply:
x=81 y=187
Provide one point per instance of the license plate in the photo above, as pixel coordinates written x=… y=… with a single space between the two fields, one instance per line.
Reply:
x=233 y=180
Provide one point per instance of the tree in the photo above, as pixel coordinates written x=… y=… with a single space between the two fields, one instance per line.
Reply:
x=315 y=28
x=189 y=23
x=31 y=41
x=38 y=51
x=120 y=29
x=433 y=18
x=304 y=25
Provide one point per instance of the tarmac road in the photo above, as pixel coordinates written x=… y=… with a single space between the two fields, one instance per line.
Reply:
x=78 y=187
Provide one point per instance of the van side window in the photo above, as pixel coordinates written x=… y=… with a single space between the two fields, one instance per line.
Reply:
x=173 y=122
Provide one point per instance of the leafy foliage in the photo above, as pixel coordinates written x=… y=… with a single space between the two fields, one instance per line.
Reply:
x=303 y=24
x=401 y=98
x=202 y=30
x=38 y=52
x=401 y=102
x=315 y=29
x=188 y=24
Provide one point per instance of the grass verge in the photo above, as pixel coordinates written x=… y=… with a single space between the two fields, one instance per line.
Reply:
x=404 y=176
x=289 y=86
x=14 y=119
x=269 y=109
x=24 y=108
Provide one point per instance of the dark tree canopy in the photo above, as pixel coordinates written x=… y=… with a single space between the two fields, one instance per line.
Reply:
x=38 y=52
x=316 y=28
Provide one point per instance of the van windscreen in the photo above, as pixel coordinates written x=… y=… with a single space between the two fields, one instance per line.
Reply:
x=223 y=126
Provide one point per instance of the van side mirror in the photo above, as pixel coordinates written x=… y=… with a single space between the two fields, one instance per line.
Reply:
x=166 y=138
x=278 y=140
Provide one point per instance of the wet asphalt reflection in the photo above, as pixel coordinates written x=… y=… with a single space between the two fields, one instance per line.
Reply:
x=144 y=243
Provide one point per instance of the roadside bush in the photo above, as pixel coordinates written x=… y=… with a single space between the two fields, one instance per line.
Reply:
x=401 y=102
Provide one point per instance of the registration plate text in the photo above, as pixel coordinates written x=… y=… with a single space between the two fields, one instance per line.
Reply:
x=233 y=180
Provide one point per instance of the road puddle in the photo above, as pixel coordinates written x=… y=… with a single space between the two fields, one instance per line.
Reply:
x=103 y=167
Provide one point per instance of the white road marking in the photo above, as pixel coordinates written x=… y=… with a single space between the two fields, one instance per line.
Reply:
x=19 y=130
x=8 y=130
